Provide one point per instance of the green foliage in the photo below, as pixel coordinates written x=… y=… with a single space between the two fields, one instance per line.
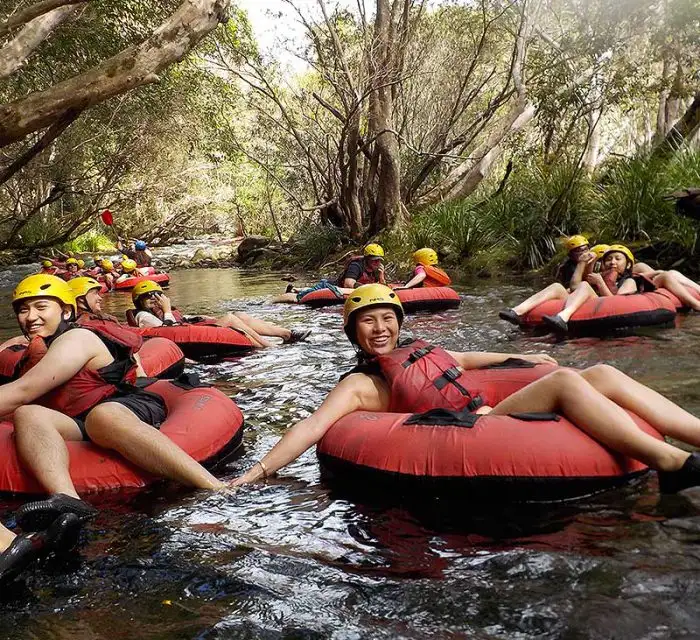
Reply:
x=630 y=203
x=90 y=242
x=522 y=227
x=538 y=206
x=316 y=244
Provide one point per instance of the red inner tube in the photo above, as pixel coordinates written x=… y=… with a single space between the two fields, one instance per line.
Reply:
x=499 y=457
x=203 y=342
x=418 y=299
x=610 y=313
x=202 y=421
x=161 y=278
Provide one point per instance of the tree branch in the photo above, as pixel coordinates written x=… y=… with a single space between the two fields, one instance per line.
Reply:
x=34 y=11
x=55 y=130
x=131 y=68
x=15 y=52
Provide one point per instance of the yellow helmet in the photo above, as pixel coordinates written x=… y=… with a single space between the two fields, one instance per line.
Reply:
x=42 y=285
x=426 y=257
x=107 y=265
x=71 y=261
x=374 y=250
x=81 y=263
x=599 y=250
x=47 y=264
x=80 y=286
x=574 y=242
x=128 y=264
x=144 y=287
x=621 y=248
x=365 y=297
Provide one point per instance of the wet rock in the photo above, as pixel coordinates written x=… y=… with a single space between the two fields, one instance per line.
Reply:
x=691 y=525
x=692 y=495
x=250 y=245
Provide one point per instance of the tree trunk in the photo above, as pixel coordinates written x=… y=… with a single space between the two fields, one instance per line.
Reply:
x=683 y=130
x=14 y=53
x=131 y=68
x=388 y=176
x=590 y=156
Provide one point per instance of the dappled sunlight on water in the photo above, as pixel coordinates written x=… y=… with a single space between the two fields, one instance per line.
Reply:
x=291 y=558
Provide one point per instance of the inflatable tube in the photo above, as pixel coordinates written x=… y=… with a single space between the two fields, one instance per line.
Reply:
x=609 y=314
x=163 y=279
x=206 y=343
x=160 y=358
x=419 y=299
x=674 y=299
x=497 y=458
x=202 y=421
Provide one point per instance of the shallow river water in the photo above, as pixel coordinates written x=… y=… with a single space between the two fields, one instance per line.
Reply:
x=293 y=559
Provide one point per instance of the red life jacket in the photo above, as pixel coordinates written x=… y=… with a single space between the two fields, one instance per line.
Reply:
x=435 y=277
x=422 y=377
x=86 y=388
x=10 y=358
x=366 y=277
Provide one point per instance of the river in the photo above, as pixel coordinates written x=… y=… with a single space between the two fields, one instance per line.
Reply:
x=291 y=559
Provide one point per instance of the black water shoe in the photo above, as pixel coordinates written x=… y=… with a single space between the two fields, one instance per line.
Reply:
x=290 y=288
x=510 y=316
x=556 y=324
x=687 y=476
x=298 y=336
x=62 y=535
x=35 y=516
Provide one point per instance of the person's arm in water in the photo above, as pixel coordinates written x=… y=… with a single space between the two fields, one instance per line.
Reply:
x=67 y=355
x=478 y=359
x=355 y=393
x=419 y=276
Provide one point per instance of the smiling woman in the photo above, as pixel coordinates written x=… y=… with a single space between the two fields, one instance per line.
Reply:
x=417 y=378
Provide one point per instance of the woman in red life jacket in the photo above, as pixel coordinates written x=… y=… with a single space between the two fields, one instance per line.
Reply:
x=154 y=309
x=595 y=399
x=426 y=272
x=75 y=383
x=614 y=278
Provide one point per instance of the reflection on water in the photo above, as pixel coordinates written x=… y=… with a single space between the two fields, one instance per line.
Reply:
x=292 y=559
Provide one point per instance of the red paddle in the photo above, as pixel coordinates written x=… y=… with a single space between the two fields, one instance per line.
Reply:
x=108 y=219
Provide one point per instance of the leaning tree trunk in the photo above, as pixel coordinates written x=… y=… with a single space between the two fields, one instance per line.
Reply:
x=134 y=67
x=14 y=53
x=683 y=130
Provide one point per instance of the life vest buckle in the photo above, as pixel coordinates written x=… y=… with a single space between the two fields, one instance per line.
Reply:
x=417 y=355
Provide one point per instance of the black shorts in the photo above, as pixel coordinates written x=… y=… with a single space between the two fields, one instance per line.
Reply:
x=147 y=407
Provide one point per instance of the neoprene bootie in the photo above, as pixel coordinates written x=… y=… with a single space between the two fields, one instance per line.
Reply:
x=35 y=516
x=62 y=535
x=687 y=476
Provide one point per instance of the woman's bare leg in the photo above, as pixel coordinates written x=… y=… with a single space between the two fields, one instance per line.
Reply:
x=230 y=320
x=576 y=299
x=263 y=327
x=670 y=281
x=285 y=298
x=569 y=393
x=662 y=414
x=554 y=291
